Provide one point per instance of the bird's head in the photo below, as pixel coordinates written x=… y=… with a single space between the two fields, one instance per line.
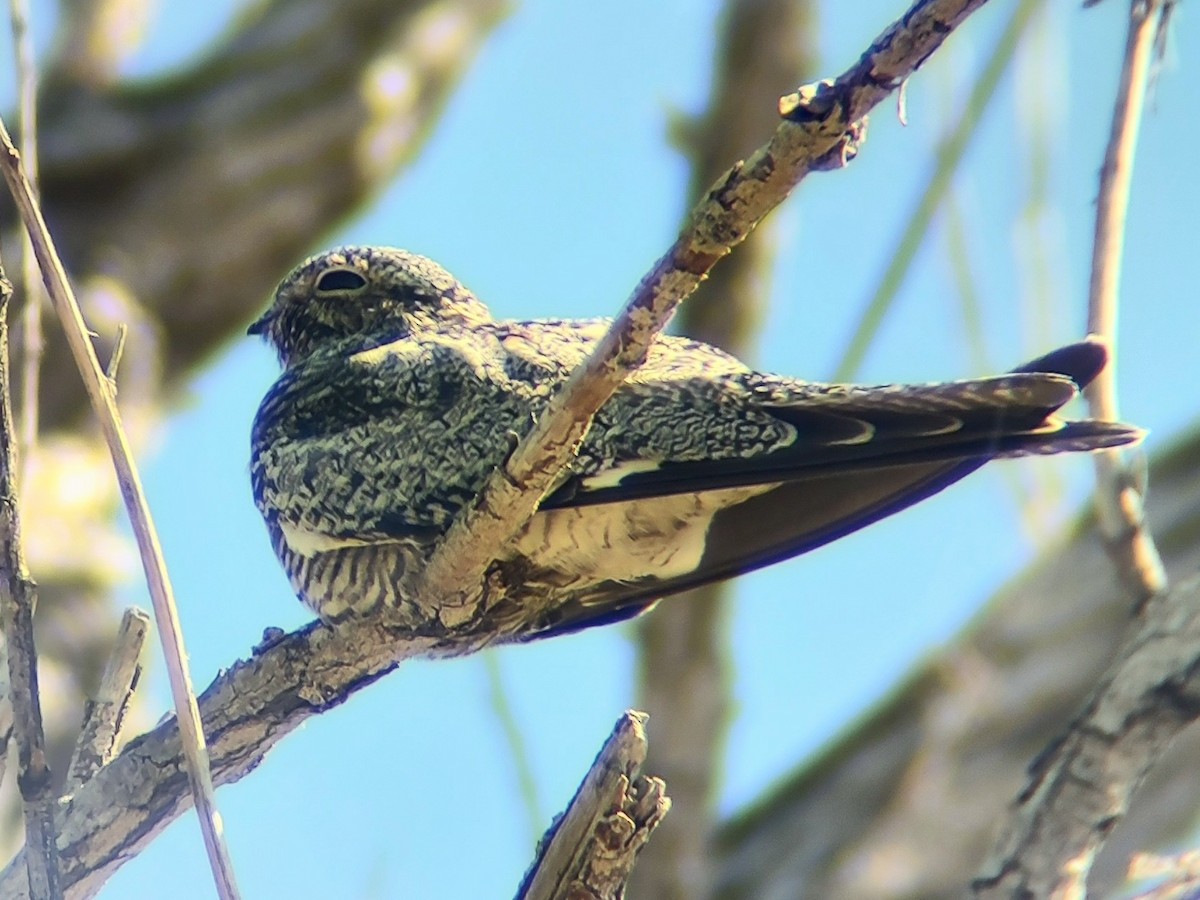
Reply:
x=362 y=292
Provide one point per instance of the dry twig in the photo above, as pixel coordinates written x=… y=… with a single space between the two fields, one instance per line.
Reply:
x=17 y=602
x=1082 y=783
x=31 y=316
x=100 y=392
x=105 y=713
x=1118 y=495
x=590 y=849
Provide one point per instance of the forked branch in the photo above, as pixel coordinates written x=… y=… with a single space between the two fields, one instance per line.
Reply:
x=257 y=701
x=821 y=127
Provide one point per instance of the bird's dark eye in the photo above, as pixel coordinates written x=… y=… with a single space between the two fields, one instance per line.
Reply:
x=338 y=280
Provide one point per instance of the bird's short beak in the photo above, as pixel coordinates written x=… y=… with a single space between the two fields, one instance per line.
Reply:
x=261 y=324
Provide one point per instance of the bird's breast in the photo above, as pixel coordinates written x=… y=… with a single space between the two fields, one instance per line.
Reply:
x=564 y=553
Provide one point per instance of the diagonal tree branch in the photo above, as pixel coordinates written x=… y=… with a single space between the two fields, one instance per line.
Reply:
x=1081 y=786
x=246 y=710
x=821 y=127
x=256 y=702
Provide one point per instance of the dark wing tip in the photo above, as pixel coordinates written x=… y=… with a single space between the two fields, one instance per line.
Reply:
x=1086 y=435
x=1081 y=361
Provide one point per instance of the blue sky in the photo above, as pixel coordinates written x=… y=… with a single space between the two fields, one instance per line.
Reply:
x=549 y=188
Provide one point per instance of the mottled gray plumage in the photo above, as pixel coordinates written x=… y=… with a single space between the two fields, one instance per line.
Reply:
x=400 y=395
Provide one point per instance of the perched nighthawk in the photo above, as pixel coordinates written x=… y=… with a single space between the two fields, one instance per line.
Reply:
x=400 y=395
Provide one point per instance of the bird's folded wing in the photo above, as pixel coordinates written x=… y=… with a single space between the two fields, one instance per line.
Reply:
x=856 y=454
x=844 y=430
x=878 y=452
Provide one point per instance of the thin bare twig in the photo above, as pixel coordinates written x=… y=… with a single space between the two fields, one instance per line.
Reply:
x=105 y=713
x=1081 y=785
x=100 y=393
x=18 y=600
x=1118 y=497
x=589 y=851
x=33 y=345
x=821 y=128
